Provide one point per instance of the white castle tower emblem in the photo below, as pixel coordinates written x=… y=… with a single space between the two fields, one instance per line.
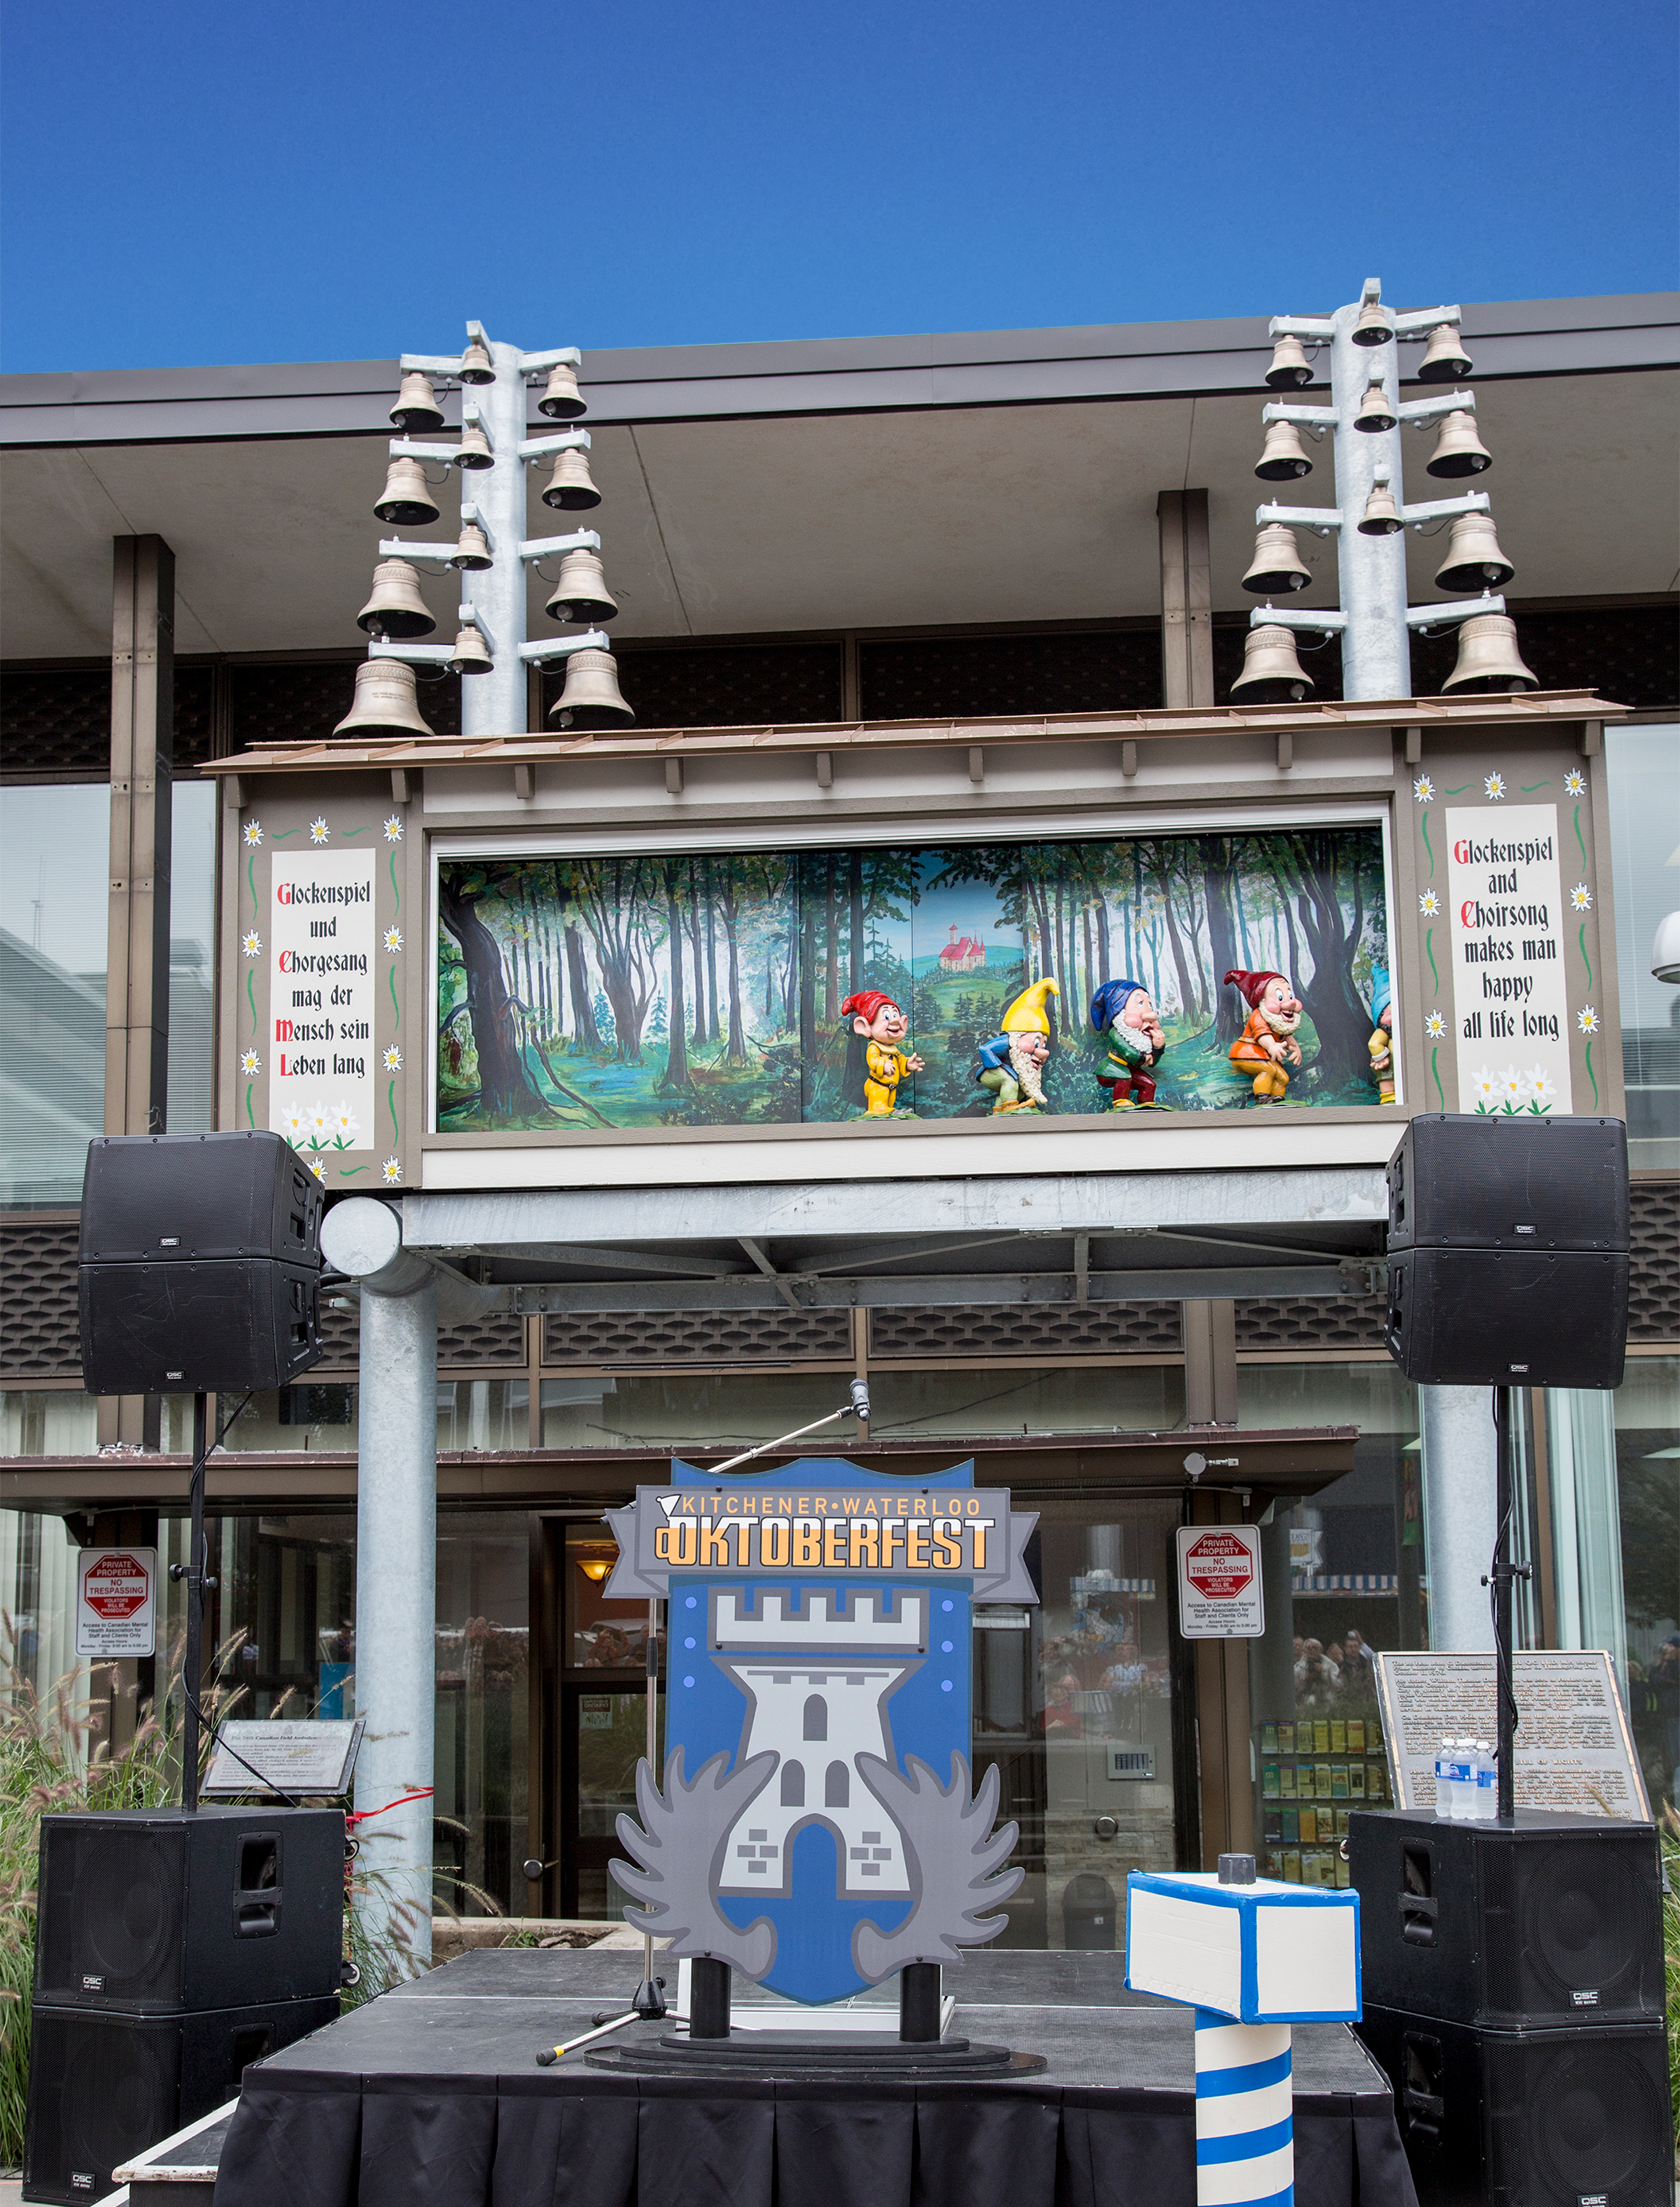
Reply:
x=817 y=1686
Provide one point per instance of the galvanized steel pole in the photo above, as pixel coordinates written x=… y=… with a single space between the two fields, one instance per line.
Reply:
x=1375 y=647
x=1461 y=1513
x=495 y=703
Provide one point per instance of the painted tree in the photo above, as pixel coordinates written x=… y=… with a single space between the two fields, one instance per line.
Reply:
x=504 y=1087
x=612 y=900
x=1229 y=1009
x=1317 y=860
x=676 y=1075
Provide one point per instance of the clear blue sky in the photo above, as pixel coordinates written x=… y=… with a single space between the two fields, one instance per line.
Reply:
x=186 y=183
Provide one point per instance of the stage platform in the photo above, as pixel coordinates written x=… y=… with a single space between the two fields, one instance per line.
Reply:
x=430 y=2098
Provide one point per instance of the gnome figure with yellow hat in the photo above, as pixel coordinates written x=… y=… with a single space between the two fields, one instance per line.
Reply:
x=1011 y=1064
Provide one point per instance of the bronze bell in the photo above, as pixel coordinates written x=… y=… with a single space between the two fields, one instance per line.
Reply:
x=474 y=450
x=1374 y=326
x=1458 y=450
x=1473 y=560
x=385 y=701
x=1284 y=457
x=472 y=549
x=571 y=487
x=1381 y=516
x=1376 y=410
x=562 y=401
x=476 y=365
x=1290 y=369
x=1488 y=658
x=1445 y=358
x=1272 y=674
x=416 y=406
x=1277 y=563
x=406 y=499
x=581 y=594
x=591 y=697
x=396 y=611
x=471 y=655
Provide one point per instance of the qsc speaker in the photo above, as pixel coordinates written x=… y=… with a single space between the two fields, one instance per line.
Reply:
x=103 y=2088
x=1548 y=1920
x=1508 y=1251
x=1569 y=2118
x=146 y=1911
x=200 y=1264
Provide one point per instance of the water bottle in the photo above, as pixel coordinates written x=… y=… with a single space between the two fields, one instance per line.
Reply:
x=1444 y=1789
x=1487 y=1782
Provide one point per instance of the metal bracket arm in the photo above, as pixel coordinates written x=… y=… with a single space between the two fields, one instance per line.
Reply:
x=544 y=547
x=1442 y=509
x=407 y=448
x=563 y=440
x=1324 y=623
x=472 y=418
x=1422 y=320
x=1444 y=402
x=562 y=647
x=1299 y=326
x=564 y=356
x=1323 y=519
x=430 y=363
x=397 y=547
x=470 y=617
x=1457 y=609
x=417 y=655
x=1315 y=417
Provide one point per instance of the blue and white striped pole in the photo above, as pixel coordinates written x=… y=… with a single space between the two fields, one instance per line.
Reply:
x=1245 y=2116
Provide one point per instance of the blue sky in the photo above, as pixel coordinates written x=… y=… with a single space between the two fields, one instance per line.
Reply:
x=188 y=183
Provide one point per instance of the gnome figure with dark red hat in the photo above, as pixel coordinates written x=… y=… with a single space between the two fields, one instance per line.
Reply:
x=877 y=1060
x=1126 y=1012
x=1267 y=1045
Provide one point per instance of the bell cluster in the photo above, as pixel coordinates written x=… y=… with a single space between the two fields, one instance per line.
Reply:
x=1488 y=659
x=386 y=699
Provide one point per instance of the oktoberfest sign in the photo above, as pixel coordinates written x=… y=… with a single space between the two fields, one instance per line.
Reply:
x=816 y=1828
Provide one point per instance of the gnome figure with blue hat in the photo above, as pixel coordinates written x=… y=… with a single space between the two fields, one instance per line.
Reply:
x=1381 y=1045
x=1126 y=1012
x=1011 y=1064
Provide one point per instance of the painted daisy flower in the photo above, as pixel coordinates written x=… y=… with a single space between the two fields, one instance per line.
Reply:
x=1424 y=790
x=393 y=940
x=1582 y=897
x=393 y=1059
x=1587 y=1019
x=321 y=1123
x=1494 y=784
x=253 y=834
x=251 y=943
x=1485 y=1084
x=392 y=1170
x=1435 y=1026
x=1541 y=1087
x=294 y=1123
x=319 y=831
x=1513 y=1086
x=345 y=1123
x=249 y=1063
x=317 y=1168
x=1575 y=781
x=1429 y=904
x=393 y=828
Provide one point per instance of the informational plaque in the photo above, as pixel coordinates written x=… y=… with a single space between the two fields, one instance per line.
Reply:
x=292 y=1755
x=321 y=1080
x=1507 y=932
x=1574 y=1751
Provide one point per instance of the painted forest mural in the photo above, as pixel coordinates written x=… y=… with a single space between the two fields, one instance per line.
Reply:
x=725 y=989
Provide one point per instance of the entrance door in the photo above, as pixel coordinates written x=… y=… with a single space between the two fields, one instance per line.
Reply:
x=602 y=1712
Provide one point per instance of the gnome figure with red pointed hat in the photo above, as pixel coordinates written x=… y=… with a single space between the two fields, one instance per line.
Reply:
x=877 y=1059
x=1267 y=1047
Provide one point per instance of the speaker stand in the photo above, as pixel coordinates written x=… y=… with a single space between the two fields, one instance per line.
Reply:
x=193 y=1572
x=1503 y=1575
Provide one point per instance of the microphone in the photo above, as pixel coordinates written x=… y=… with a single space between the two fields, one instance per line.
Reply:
x=860 y=1400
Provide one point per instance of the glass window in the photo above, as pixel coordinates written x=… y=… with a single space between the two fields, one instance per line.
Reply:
x=44 y=1421
x=483 y=1644
x=1643 y=765
x=191 y=956
x=38 y=1583
x=312 y=1415
x=1647 y=1464
x=54 y=913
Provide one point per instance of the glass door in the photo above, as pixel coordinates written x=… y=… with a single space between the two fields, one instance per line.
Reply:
x=603 y=1721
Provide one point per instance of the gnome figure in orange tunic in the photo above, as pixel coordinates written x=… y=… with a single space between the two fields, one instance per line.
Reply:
x=1267 y=1047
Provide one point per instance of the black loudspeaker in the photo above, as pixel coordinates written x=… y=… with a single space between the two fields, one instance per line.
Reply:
x=200 y=1264
x=103 y=2088
x=1552 y=1921
x=1573 y=2118
x=1508 y=1251
x=145 y=1911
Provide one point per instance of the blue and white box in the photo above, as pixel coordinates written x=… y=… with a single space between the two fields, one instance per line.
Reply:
x=1264 y=1953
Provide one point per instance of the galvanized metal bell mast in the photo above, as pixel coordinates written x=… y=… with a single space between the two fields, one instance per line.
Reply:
x=1370 y=515
x=492 y=648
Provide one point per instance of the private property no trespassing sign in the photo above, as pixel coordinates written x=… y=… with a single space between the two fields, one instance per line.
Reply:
x=117 y=1601
x=1219 y=1594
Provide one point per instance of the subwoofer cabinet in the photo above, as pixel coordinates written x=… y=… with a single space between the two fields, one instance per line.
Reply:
x=1571 y=2117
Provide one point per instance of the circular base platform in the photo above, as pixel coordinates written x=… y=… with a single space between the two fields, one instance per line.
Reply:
x=813 y=2055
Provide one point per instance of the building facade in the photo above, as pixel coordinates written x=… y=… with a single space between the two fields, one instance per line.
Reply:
x=931 y=665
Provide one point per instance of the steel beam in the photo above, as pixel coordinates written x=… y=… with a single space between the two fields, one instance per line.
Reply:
x=1004 y=1290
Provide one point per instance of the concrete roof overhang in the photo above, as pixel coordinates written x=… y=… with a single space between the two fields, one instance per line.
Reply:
x=991 y=479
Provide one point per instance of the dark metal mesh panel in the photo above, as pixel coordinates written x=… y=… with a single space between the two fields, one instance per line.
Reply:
x=954 y=678
x=985 y=1329
x=1312 y=1322
x=57 y=719
x=340 y=1332
x=1653 y=1285
x=302 y=701
x=38 y=1324
x=492 y=1339
x=723 y=685
x=656 y=1338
